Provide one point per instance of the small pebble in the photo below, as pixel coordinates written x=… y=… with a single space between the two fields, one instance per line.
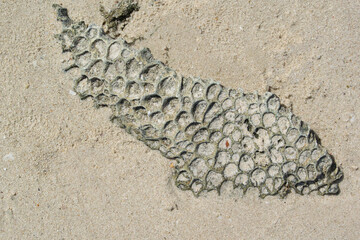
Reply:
x=71 y=92
x=8 y=157
x=355 y=168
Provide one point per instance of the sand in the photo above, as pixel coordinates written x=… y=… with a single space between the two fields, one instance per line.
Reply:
x=66 y=172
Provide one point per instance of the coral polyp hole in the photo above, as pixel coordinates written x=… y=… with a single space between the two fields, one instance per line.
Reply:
x=97 y=86
x=114 y=51
x=98 y=48
x=82 y=86
x=133 y=90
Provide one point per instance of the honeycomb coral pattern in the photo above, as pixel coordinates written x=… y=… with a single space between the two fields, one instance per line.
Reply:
x=218 y=137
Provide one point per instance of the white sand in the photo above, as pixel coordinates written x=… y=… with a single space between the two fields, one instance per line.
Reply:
x=66 y=172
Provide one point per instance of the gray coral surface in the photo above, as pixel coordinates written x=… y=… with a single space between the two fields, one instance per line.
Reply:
x=218 y=137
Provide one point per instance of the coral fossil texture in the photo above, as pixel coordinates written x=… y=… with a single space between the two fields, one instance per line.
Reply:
x=219 y=138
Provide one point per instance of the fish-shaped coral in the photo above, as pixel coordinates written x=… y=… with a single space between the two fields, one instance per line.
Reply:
x=218 y=137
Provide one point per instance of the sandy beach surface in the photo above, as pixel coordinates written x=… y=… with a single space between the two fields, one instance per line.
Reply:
x=66 y=172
